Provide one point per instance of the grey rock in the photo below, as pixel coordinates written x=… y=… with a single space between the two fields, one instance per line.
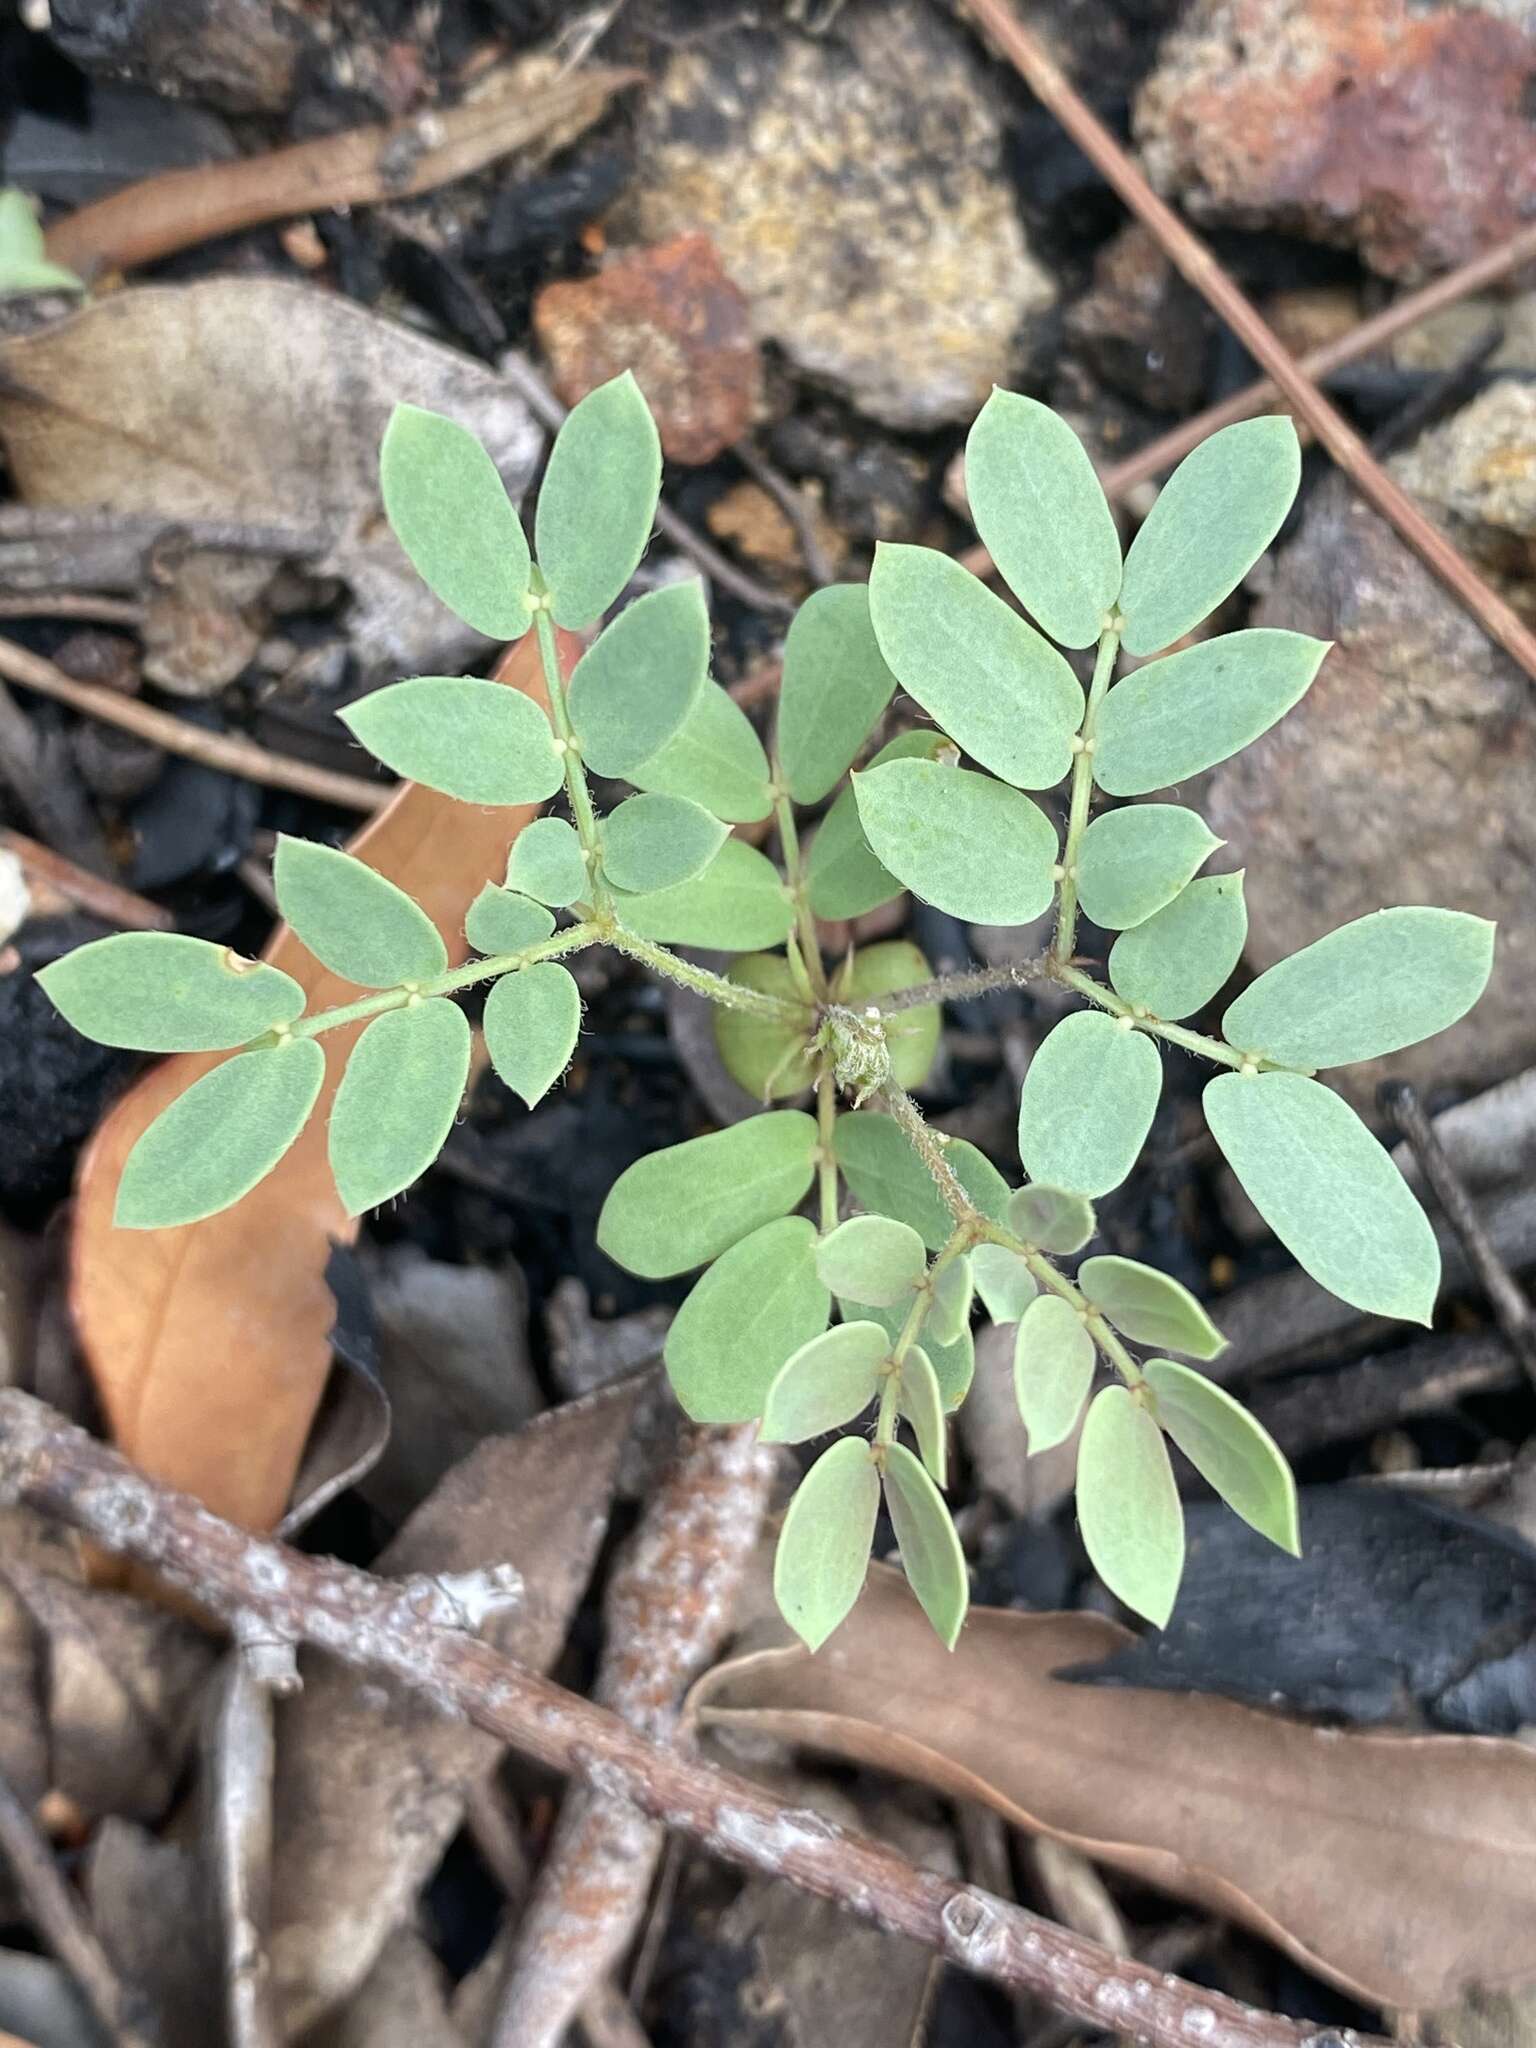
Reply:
x=1476 y=476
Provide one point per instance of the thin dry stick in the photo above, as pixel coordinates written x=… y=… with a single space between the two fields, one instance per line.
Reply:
x=398 y=1629
x=667 y=1613
x=1195 y=262
x=106 y=900
x=213 y=749
x=73 y=604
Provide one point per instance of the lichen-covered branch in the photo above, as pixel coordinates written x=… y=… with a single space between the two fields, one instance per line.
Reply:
x=407 y=1632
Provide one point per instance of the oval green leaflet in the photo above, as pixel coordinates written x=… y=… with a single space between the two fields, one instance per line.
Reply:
x=1053 y=1361
x=1176 y=960
x=843 y=877
x=954 y=1365
x=398 y=1098
x=834 y=689
x=479 y=741
x=354 y=921
x=738 y=904
x=1181 y=715
x=677 y=1208
x=931 y=1555
x=873 y=1259
x=822 y=1560
x=546 y=863
x=756 y=1305
x=1051 y=1219
x=597 y=502
x=1149 y=1307
x=911 y=1036
x=825 y=1384
x=161 y=992
x=450 y=512
x=1004 y=1282
x=215 y=1142
x=1009 y=698
x=887 y=1176
x=501 y=921
x=1369 y=988
x=633 y=689
x=715 y=757
x=1229 y=1449
x=1213 y=519
x=949 y=1312
x=1327 y=1190
x=1128 y=1506
x=766 y=1058
x=654 y=842
x=1087 y=1103
x=963 y=842
x=1134 y=861
x=532 y=1019
x=921 y=1400
x=1041 y=511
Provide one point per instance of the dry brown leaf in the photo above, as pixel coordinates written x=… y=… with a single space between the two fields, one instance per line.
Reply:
x=209 y=1344
x=1400 y=1867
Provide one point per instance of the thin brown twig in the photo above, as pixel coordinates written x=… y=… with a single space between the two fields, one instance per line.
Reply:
x=72 y=604
x=400 y=1630
x=106 y=900
x=1196 y=263
x=214 y=749
x=795 y=506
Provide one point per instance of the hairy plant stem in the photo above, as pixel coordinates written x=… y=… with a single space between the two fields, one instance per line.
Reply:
x=794 y=874
x=965 y=986
x=1082 y=793
x=1215 y=1049
x=826 y=1155
x=959 y=1241
x=574 y=939
x=575 y=774
x=731 y=995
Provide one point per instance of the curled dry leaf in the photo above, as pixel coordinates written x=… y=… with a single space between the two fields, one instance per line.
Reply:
x=245 y=1291
x=1399 y=1867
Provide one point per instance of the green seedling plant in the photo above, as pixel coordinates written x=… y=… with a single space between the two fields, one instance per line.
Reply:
x=842 y=1248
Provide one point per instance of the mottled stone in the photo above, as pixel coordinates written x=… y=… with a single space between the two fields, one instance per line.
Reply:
x=673 y=316
x=1140 y=326
x=1407 y=774
x=1476 y=476
x=1391 y=126
x=854 y=188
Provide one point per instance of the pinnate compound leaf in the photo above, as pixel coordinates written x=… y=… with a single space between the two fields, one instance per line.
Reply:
x=931 y=1555
x=463 y=736
x=1053 y=1361
x=501 y=921
x=160 y=992
x=654 y=842
x=1132 y=863
x=353 y=921
x=1003 y=1281
x=1087 y=1104
x=397 y=1100
x=677 y=1208
x=843 y=877
x=547 y=864
x=715 y=757
x=754 y=1308
x=921 y=1400
x=532 y=1020
x=1229 y=1449
x=911 y=1036
x=824 y=1384
x=1369 y=988
x=451 y=514
x=963 y=842
x=1181 y=715
x=736 y=905
x=954 y=1365
x=219 y=1138
x=637 y=683
x=1041 y=510
x=823 y=1555
x=835 y=686
x=1050 y=1218
x=1149 y=1307
x=768 y=1059
x=950 y=1312
x=888 y=1177
x=1181 y=956
x=873 y=1259
x=1009 y=698
x=1128 y=1505
x=1213 y=519
x=1327 y=1190
x=597 y=502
